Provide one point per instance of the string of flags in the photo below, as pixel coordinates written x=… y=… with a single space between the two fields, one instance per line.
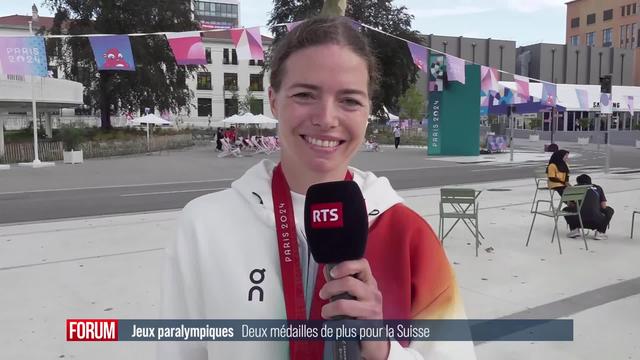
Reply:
x=26 y=55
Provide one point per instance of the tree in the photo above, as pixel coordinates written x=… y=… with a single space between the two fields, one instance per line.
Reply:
x=157 y=80
x=334 y=7
x=412 y=104
x=397 y=69
x=244 y=105
x=584 y=123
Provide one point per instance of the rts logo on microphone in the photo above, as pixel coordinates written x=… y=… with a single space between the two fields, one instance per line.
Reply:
x=326 y=215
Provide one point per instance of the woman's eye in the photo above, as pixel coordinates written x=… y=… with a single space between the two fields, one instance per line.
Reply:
x=352 y=102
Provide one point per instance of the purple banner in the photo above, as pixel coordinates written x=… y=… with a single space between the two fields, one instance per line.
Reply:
x=23 y=56
x=419 y=55
x=113 y=52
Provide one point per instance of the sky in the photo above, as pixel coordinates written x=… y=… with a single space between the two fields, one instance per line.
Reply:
x=524 y=21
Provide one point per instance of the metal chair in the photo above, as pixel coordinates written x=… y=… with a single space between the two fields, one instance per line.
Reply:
x=633 y=217
x=459 y=204
x=540 y=177
x=574 y=194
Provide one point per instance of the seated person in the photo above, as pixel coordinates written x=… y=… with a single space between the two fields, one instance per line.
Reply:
x=595 y=213
x=371 y=144
x=558 y=171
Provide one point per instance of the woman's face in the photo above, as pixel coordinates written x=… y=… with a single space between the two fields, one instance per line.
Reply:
x=566 y=157
x=322 y=108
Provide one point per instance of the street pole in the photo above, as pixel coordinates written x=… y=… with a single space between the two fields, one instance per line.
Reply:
x=36 y=160
x=607 y=148
x=511 y=125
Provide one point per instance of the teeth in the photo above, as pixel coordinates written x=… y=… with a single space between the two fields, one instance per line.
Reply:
x=321 y=143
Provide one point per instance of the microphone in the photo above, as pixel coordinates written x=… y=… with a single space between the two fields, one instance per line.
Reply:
x=336 y=224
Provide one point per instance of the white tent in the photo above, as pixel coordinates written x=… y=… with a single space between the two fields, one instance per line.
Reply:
x=150 y=119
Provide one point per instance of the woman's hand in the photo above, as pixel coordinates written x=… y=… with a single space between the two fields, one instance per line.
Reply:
x=355 y=277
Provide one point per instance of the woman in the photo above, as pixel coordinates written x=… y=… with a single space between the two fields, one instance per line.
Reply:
x=558 y=171
x=220 y=268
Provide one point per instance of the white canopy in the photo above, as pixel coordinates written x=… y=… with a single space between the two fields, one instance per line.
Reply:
x=150 y=119
x=249 y=118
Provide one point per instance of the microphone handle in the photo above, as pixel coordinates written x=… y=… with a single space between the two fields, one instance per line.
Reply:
x=344 y=349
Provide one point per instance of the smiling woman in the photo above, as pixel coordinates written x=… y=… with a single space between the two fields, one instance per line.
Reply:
x=322 y=78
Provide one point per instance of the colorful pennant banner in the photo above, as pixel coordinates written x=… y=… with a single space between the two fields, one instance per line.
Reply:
x=583 y=99
x=419 y=55
x=549 y=94
x=630 y=104
x=113 y=53
x=248 y=43
x=23 y=56
x=455 y=69
x=187 y=48
x=522 y=89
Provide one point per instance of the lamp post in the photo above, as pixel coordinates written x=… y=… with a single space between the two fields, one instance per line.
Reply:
x=36 y=160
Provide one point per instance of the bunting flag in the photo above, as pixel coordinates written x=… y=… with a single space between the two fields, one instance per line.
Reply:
x=549 y=96
x=583 y=99
x=419 y=55
x=113 y=52
x=455 y=69
x=291 y=26
x=437 y=70
x=187 y=48
x=630 y=104
x=522 y=89
x=23 y=56
x=489 y=80
x=606 y=107
x=248 y=43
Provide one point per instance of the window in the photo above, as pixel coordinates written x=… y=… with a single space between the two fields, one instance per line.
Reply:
x=591 y=39
x=591 y=19
x=230 y=107
x=607 y=15
x=633 y=34
x=575 y=22
x=225 y=57
x=623 y=32
x=258 y=63
x=255 y=82
x=207 y=53
x=606 y=37
x=633 y=9
x=204 y=107
x=622 y=10
x=256 y=106
x=204 y=81
x=231 y=81
x=629 y=9
x=575 y=40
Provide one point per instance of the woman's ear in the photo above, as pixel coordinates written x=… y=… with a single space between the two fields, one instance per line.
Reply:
x=272 y=102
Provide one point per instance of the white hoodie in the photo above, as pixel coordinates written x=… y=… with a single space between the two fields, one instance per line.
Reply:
x=224 y=236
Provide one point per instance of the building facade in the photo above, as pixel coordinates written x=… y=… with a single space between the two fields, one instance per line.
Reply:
x=217 y=14
x=575 y=64
x=606 y=24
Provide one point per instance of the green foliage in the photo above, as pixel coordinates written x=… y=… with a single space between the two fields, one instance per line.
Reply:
x=334 y=7
x=157 y=82
x=71 y=138
x=412 y=104
x=244 y=104
x=396 y=65
x=584 y=123
x=535 y=124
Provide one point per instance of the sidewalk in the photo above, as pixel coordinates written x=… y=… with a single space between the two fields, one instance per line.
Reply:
x=110 y=267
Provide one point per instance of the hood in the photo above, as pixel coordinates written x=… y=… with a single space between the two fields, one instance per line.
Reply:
x=255 y=187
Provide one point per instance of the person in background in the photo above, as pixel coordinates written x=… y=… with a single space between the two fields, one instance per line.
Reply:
x=396 y=135
x=558 y=171
x=595 y=213
x=219 y=137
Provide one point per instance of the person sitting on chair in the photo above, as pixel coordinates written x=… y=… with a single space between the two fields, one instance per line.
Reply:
x=558 y=171
x=595 y=213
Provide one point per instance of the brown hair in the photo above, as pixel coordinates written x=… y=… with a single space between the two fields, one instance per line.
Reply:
x=323 y=30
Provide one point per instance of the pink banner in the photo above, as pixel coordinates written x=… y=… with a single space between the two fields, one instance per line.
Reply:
x=522 y=89
x=455 y=69
x=23 y=56
x=248 y=43
x=292 y=25
x=419 y=55
x=549 y=94
x=489 y=80
x=187 y=48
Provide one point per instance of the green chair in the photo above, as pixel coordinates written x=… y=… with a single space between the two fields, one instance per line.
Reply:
x=633 y=217
x=540 y=177
x=459 y=204
x=574 y=194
